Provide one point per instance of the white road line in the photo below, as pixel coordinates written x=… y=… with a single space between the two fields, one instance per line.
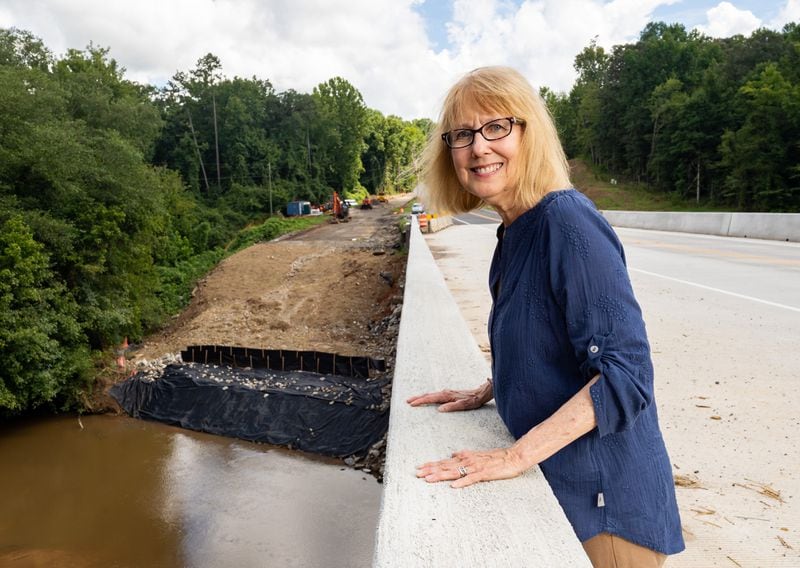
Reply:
x=759 y=300
x=478 y=214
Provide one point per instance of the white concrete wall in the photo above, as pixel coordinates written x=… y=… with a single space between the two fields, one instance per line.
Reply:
x=503 y=523
x=772 y=226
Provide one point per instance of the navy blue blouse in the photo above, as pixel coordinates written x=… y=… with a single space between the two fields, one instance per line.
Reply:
x=563 y=311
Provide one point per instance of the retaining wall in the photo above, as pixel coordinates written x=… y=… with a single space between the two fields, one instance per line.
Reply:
x=516 y=522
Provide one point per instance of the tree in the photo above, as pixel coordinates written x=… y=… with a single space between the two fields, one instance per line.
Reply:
x=762 y=156
x=41 y=345
x=21 y=49
x=340 y=132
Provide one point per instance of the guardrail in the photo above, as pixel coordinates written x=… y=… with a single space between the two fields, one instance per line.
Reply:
x=516 y=522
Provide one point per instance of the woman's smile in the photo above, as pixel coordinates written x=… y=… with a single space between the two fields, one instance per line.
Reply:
x=487 y=170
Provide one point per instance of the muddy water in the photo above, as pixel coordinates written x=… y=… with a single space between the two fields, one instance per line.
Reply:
x=127 y=493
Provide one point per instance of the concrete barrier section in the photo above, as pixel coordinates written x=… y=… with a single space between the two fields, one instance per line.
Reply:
x=437 y=223
x=774 y=226
x=516 y=522
x=770 y=226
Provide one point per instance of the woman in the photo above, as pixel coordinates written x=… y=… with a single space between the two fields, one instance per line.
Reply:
x=572 y=374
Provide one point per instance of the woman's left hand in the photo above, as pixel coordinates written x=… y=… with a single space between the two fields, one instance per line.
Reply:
x=468 y=467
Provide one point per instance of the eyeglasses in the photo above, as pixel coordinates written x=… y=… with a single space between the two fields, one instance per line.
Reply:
x=492 y=130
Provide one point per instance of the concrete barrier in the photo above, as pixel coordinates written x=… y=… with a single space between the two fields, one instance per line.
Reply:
x=771 y=226
x=516 y=522
x=437 y=223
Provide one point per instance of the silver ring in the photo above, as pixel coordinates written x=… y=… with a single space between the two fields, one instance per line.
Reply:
x=462 y=471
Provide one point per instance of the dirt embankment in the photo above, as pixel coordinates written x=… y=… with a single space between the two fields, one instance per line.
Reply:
x=336 y=288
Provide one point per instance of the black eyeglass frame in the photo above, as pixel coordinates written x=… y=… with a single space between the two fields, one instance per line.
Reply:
x=512 y=119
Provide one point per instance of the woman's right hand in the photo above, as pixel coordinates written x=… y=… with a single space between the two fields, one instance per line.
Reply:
x=455 y=400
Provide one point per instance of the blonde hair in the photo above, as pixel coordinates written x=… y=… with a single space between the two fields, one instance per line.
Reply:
x=543 y=166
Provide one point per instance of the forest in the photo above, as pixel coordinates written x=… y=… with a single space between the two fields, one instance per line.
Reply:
x=710 y=120
x=115 y=197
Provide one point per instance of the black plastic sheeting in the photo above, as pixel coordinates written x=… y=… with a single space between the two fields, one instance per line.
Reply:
x=321 y=413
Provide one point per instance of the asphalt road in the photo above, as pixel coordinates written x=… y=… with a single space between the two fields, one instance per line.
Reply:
x=723 y=320
x=765 y=272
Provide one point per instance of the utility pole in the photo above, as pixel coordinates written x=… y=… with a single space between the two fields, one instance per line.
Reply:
x=269 y=174
x=197 y=149
x=698 y=181
x=308 y=151
x=216 y=143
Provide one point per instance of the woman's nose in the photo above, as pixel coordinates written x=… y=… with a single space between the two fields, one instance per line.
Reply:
x=480 y=145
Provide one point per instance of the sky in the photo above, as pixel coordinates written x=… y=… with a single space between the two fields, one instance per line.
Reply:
x=402 y=55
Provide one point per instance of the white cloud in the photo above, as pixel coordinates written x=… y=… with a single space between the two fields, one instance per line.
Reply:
x=380 y=46
x=789 y=13
x=542 y=38
x=725 y=20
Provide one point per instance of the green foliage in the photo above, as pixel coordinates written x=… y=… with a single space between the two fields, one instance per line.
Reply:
x=116 y=197
x=178 y=279
x=340 y=128
x=691 y=115
x=391 y=152
x=271 y=228
x=40 y=340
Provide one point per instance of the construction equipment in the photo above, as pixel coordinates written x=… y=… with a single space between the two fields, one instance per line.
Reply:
x=341 y=210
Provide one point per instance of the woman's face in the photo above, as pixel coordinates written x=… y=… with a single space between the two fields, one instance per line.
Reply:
x=488 y=169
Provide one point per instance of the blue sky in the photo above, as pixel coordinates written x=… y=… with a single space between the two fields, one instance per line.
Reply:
x=401 y=54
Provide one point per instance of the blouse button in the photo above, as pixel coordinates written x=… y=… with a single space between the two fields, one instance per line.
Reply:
x=594 y=349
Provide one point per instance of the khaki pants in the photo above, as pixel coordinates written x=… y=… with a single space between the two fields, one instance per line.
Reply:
x=609 y=551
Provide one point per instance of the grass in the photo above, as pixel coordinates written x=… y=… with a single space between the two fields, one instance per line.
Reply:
x=628 y=196
x=272 y=228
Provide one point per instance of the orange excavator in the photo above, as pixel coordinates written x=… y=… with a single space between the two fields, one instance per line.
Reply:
x=341 y=211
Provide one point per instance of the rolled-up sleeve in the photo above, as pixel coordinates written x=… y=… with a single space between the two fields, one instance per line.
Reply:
x=604 y=322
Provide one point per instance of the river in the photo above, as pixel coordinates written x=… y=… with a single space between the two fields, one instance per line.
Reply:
x=113 y=491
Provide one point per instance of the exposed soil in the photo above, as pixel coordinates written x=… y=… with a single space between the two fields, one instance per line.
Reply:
x=327 y=289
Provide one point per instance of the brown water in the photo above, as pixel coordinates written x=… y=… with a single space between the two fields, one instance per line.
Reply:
x=121 y=493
